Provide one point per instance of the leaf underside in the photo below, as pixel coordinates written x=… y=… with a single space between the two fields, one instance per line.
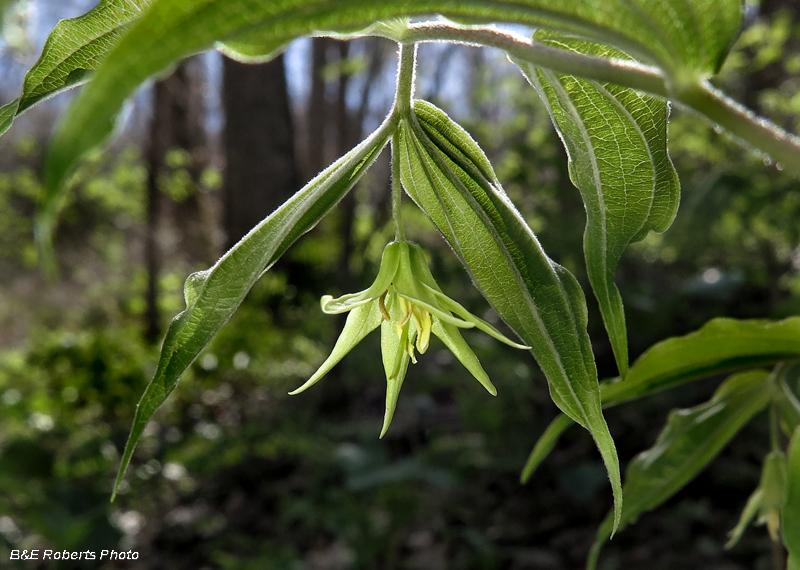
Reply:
x=721 y=346
x=212 y=296
x=616 y=141
x=689 y=441
x=448 y=176
x=75 y=48
x=690 y=37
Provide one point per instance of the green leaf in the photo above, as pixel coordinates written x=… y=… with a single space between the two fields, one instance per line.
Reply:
x=7 y=114
x=721 y=345
x=212 y=296
x=690 y=38
x=689 y=441
x=545 y=445
x=790 y=514
x=616 y=141
x=253 y=48
x=448 y=176
x=74 y=49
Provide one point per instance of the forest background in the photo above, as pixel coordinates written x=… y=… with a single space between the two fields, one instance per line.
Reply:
x=235 y=474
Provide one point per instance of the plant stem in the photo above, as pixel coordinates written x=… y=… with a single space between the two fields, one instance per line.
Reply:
x=407 y=60
x=622 y=72
x=697 y=94
x=751 y=130
x=397 y=192
x=407 y=55
x=774 y=428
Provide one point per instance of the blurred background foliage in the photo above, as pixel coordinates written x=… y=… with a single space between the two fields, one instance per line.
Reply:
x=233 y=473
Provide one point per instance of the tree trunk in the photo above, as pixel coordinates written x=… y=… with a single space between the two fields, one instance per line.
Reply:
x=176 y=123
x=260 y=171
x=316 y=116
x=155 y=158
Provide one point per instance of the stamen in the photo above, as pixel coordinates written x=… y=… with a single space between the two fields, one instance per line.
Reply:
x=382 y=306
x=410 y=350
x=405 y=306
x=424 y=323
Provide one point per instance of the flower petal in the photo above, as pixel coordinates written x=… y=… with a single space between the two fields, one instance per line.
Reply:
x=386 y=273
x=360 y=322
x=479 y=323
x=453 y=340
x=423 y=321
x=394 y=349
x=748 y=514
x=437 y=311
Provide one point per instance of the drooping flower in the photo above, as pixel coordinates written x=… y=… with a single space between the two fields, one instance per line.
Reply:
x=767 y=500
x=408 y=305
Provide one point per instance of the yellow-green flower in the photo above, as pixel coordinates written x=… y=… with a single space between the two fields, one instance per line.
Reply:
x=767 y=500
x=408 y=305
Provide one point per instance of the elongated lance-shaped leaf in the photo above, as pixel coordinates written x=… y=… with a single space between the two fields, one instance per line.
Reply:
x=213 y=295
x=688 y=38
x=74 y=49
x=689 y=441
x=616 y=141
x=445 y=172
x=544 y=445
x=790 y=514
x=720 y=346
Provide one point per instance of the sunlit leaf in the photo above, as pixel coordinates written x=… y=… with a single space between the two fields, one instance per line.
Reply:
x=448 y=176
x=212 y=296
x=689 y=441
x=616 y=140
x=688 y=38
x=721 y=345
x=74 y=49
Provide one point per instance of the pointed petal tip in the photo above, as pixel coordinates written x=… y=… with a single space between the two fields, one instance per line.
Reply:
x=310 y=382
